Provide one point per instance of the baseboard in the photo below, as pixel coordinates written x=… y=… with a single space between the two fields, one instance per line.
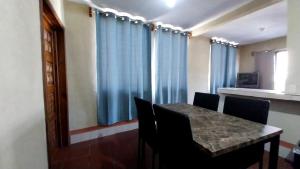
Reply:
x=98 y=132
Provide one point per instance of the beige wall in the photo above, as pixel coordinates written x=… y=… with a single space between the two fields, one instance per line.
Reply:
x=293 y=41
x=22 y=122
x=81 y=65
x=80 y=35
x=247 y=61
x=198 y=66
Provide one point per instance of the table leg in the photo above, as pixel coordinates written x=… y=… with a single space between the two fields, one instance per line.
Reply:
x=274 y=149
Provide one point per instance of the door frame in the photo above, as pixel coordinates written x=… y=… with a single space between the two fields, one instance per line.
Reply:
x=46 y=9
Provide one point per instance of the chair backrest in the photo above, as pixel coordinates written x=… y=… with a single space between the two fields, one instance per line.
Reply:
x=146 y=121
x=206 y=100
x=174 y=132
x=250 y=109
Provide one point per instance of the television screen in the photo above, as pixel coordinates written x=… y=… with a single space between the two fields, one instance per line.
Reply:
x=248 y=80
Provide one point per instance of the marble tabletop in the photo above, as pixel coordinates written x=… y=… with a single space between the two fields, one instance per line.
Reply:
x=218 y=133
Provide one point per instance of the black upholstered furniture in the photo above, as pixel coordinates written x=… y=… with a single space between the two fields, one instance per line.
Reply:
x=206 y=100
x=250 y=109
x=228 y=141
x=147 y=130
x=177 y=150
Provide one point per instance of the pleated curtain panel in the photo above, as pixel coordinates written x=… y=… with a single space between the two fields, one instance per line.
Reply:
x=124 y=49
x=223 y=66
x=123 y=66
x=170 y=66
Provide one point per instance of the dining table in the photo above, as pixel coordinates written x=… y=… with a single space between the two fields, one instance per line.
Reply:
x=217 y=133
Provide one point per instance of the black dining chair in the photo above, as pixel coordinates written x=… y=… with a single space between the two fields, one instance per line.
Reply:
x=177 y=149
x=147 y=130
x=250 y=109
x=206 y=100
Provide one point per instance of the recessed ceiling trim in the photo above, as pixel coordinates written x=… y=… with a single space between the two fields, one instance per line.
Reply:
x=265 y=24
x=244 y=10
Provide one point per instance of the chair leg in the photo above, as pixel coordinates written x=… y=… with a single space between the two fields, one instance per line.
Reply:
x=153 y=159
x=139 y=154
x=143 y=144
x=261 y=163
x=160 y=165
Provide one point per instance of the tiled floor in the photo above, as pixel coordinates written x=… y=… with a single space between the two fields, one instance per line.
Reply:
x=113 y=152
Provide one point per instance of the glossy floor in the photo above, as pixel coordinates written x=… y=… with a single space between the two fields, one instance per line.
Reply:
x=113 y=152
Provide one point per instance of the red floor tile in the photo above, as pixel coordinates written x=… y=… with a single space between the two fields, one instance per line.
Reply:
x=83 y=162
x=115 y=152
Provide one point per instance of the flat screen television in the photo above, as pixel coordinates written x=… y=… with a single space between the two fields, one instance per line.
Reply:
x=248 y=80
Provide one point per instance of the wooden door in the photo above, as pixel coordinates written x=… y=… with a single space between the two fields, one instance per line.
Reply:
x=50 y=83
x=55 y=83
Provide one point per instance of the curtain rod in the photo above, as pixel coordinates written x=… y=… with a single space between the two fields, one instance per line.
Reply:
x=153 y=26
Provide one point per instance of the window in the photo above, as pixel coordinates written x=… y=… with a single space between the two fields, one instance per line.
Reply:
x=281 y=70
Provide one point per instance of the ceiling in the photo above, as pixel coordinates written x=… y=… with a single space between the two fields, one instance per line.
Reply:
x=185 y=13
x=249 y=29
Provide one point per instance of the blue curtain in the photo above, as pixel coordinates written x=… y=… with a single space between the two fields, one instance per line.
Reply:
x=123 y=66
x=171 y=67
x=231 y=72
x=223 y=66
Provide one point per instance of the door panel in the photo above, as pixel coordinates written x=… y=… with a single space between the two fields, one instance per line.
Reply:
x=50 y=85
x=54 y=78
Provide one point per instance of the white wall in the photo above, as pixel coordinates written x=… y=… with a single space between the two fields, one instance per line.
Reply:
x=58 y=6
x=247 y=61
x=22 y=122
x=293 y=41
x=198 y=66
x=81 y=65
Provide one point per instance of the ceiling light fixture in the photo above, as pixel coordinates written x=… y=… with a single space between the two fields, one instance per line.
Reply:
x=170 y=3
